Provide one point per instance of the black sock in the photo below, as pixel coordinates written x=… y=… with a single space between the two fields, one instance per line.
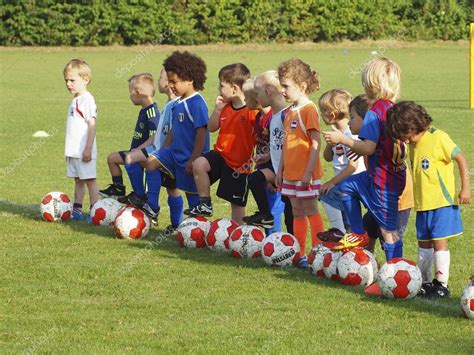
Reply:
x=117 y=180
x=206 y=200
x=257 y=182
x=77 y=206
x=288 y=214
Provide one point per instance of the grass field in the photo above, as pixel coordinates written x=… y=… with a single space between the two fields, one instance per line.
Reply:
x=74 y=288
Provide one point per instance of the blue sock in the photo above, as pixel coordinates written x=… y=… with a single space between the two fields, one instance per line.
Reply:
x=153 y=181
x=389 y=249
x=398 y=251
x=135 y=173
x=193 y=200
x=353 y=210
x=176 y=210
x=277 y=207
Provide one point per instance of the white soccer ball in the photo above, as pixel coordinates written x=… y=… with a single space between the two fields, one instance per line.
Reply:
x=316 y=258
x=246 y=242
x=330 y=262
x=192 y=232
x=56 y=207
x=104 y=211
x=357 y=267
x=218 y=237
x=280 y=249
x=467 y=300
x=131 y=223
x=399 y=278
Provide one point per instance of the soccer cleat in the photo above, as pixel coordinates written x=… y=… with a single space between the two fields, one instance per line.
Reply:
x=260 y=220
x=426 y=288
x=332 y=235
x=203 y=209
x=77 y=215
x=302 y=262
x=89 y=218
x=113 y=191
x=438 y=290
x=124 y=199
x=136 y=201
x=351 y=240
x=170 y=230
x=150 y=212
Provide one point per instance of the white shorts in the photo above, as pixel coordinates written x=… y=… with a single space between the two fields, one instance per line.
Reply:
x=292 y=188
x=76 y=168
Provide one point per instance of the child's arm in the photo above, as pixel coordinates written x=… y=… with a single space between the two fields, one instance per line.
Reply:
x=349 y=170
x=328 y=154
x=279 y=175
x=363 y=147
x=214 y=120
x=199 y=143
x=87 y=153
x=465 y=193
x=313 y=156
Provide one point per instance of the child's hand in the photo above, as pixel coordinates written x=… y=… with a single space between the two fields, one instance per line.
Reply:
x=270 y=187
x=326 y=187
x=189 y=167
x=261 y=158
x=333 y=137
x=279 y=179
x=306 y=180
x=465 y=197
x=220 y=103
x=87 y=154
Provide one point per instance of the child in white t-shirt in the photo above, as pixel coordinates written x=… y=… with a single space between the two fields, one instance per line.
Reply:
x=81 y=148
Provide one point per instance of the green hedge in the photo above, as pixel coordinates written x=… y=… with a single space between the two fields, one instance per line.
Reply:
x=128 y=22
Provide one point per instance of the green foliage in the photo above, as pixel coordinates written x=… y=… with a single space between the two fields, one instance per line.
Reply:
x=130 y=22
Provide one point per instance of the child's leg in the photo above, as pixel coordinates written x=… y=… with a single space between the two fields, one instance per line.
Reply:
x=135 y=156
x=201 y=168
x=425 y=260
x=442 y=259
x=93 y=190
x=315 y=221
x=193 y=200
x=135 y=173
x=300 y=223
x=79 y=191
x=335 y=216
x=257 y=181
x=153 y=181
x=175 y=201
x=392 y=245
x=373 y=230
x=238 y=212
x=288 y=214
x=114 y=160
x=277 y=207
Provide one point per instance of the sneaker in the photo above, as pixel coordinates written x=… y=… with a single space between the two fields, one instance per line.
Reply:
x=89 y=218
x=426 y=288
x=113 y=191
x=351 y=240
x=260 y=220
x=302 y=262
x=124 y=199
x=438 y=290
x=136 y=201
x=170 y=230
x=77 y=215
x=203 y=209
x=332 y=235
x=151 y=212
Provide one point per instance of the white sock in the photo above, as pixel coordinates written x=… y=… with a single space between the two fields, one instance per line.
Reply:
x=335 y=217
x=425 y=263
x=442 y=261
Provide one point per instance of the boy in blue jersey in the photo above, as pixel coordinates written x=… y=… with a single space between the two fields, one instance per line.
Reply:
x=142 y=89
x=189 y=136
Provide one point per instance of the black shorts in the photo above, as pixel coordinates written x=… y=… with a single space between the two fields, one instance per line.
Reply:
x=233 y=186
x=167 y=181
x=371 y=226
x=123 y=153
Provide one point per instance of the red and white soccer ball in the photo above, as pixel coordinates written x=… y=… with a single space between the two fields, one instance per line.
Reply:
x=131 y=223
x=357 y=267
x=104 y=211
x=56 y=207
x=399 y=278
x=246 y=242
x=218 y=237
x=192 y=232
x=316 y=258
x=467 y=300
x=330 y=262
x=280 y=249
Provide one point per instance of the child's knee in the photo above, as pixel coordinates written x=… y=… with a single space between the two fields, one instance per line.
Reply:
x=425 y=244
x=128 y=159
x=201 y=165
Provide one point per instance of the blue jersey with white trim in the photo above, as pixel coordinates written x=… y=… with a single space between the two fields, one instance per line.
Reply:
x=187 y=116
x=146 y=126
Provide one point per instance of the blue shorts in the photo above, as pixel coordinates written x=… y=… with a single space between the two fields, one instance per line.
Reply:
x=184 y=181
x=382 y=204
x=441 y=223
x=334 y=199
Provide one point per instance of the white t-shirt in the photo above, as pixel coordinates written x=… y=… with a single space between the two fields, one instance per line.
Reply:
x=339 y=156
x=277 y=136
x=164 y=124
x=81 y=110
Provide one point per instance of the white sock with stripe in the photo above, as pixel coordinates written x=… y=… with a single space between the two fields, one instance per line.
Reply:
x=442 y=262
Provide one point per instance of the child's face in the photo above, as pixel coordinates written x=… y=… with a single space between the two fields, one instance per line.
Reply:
x=355 y=121
x=134 y=94
x=251 y=102
x=75 y=84
x=226 y=90
x=291 y=91
x=412 y=138
x=163 y=82
x=179 y=87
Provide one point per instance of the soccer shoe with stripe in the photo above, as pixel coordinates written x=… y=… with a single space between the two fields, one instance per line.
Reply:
x=351 y=240
x=136 y=201
x=124 y=199
x=203 y=209
x=332 y=235
x=77 y=214
x=438 y=291
x=113 y=191
x=151 y=212
x=425 y=289
x=302 y=262
x=260 y=220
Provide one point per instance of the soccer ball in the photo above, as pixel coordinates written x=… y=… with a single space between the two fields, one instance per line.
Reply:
x=56 y=207
x=218 y=237
x=330 y=265
x=315 y=259
x=192 y=232
x=280 y=249
x=105 y=211
x=131 y=223
x=357 y=267
x=467 y=300
x=246 y=242
x=399 y=278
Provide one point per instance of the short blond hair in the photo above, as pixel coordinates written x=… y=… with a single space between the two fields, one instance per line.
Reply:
x=268 y=79
x=381 y=79
x=248 y=88
x=144 y=81
x=336 y=101
x=300 y=72
x=82 y=68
